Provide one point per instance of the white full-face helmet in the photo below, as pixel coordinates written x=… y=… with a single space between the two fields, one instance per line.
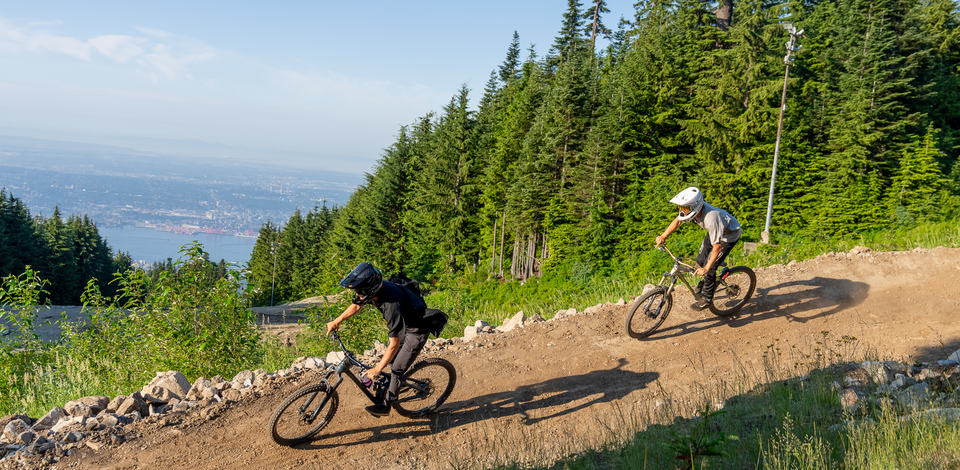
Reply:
x=690 y=201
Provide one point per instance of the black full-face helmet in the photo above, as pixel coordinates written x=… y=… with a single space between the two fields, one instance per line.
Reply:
x=365 y=280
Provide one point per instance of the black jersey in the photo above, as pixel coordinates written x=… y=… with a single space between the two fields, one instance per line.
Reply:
x=400 y=307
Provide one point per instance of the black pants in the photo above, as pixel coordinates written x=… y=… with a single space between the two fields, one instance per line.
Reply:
x=710 y=279
x=411 y=343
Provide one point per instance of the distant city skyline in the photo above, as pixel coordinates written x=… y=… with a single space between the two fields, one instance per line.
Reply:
x=304 y=84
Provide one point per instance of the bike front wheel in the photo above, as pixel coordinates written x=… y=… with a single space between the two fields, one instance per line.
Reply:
x=733 y=291
x=426 y=386
x=648 y=312
x=295 y=422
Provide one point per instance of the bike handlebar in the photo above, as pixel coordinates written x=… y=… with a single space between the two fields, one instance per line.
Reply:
x=346 y=352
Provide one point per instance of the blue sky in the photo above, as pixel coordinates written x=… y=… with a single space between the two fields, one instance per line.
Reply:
x=316 y=84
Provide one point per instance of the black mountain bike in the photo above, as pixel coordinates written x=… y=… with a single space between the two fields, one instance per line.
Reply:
x=307 y=411
x=735 y=286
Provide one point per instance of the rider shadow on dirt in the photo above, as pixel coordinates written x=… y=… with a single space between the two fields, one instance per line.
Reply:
x=798 y=301
x=586 y=390
x=589 y=389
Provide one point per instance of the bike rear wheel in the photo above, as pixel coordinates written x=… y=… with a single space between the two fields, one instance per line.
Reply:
x=648 y=312
x=291 y=424
x=426 y=386
x=733 y=291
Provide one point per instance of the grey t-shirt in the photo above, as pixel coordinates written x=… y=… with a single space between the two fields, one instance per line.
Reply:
x=720 y=225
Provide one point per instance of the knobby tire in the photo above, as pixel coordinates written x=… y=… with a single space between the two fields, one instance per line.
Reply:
x=640 y=321
x=437 y=375
x=733 y=292
x=287 y=424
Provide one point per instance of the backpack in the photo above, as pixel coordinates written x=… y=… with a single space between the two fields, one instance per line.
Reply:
x=434 y=320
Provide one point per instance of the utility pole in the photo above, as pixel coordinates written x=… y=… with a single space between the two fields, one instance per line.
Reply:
x=787 y=59
x=273 y=283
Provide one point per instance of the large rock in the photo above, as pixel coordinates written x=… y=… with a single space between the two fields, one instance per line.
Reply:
x=469 y=333
x=115 y=403
x=592 y=310
x=133 y=403
x=514 y=322
x=198 y=388
x=231 y=395
x=242 y=377
x=333 y=357
x=166 y=385
x=13 y=429
x=49 y=419
x=6 y=419
x=849 y=400
x=87 y=406
x=955 y=356
x=879 y=372
x=565 y=313
x=75 y=408
x=68 y=422
x=915 y=398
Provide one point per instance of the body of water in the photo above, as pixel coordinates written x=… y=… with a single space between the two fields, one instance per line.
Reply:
x=149 y=245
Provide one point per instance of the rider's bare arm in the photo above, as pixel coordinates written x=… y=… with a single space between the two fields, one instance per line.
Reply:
x=393 y=347
x=349 y=312
x=666 y=233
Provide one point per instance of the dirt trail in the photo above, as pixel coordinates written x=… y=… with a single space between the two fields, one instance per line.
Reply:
x=550 y=388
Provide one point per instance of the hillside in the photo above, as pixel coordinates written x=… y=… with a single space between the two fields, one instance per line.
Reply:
x=551 y=389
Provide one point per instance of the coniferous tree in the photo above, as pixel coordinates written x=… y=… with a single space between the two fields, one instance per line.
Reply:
x=511 y=65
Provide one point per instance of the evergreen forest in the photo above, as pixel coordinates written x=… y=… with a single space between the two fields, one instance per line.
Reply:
x=569 y=160
x=66 y=253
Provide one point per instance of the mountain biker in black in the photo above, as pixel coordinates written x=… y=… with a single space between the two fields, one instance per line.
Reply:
x=723 y=232
x=403 y=311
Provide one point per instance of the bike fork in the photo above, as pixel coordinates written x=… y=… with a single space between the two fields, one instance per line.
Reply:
x=663 y=299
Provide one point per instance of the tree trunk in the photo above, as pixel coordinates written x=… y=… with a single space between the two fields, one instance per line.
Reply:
x=503 y=231
x=493 y=254
x=514 y=258
x=531 y=254
x=725 y=15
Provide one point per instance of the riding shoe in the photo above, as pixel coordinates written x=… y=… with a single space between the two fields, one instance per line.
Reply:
x=379 y=410
x=701 y=304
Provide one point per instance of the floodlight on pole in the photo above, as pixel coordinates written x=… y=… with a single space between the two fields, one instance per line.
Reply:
x=787 y=59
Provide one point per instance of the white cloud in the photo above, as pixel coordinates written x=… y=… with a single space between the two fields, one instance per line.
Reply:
x=25 y=38
x=118 y=47
x=164 y=55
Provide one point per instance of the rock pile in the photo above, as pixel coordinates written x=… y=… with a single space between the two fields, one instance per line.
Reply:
x=96 y=421
x=910 y=391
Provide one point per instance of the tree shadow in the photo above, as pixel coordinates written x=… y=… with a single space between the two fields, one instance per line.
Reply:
x=591 y=388
x=944 y=348
x=798 y=301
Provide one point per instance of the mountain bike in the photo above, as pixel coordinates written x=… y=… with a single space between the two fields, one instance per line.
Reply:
x=307 y=411
x=734 y=288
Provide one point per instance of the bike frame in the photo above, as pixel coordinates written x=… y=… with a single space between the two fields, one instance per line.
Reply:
x=345 y=368
x=676 y=273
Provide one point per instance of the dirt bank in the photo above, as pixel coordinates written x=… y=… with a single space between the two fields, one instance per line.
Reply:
x=549 y=389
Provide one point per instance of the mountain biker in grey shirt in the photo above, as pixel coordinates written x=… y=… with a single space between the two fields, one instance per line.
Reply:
x=723 y=232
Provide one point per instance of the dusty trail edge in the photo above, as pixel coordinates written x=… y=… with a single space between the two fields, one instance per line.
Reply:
x=551 y=389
